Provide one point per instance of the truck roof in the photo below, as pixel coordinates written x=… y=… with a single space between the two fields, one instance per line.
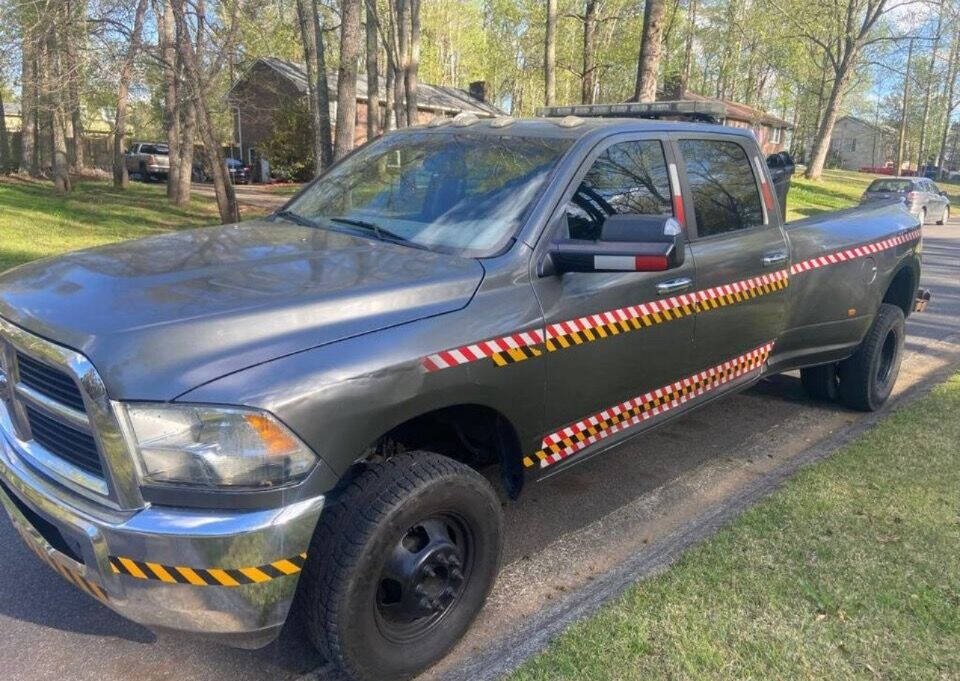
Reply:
x=555 y=127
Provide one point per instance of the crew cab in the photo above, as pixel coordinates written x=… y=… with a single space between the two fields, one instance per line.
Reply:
x=207 y=428
x=148 y=161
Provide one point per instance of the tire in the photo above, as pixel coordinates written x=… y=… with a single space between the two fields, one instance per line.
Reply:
x=821 y=382
x=867 y=377
x=371 y=608
x=945 y=218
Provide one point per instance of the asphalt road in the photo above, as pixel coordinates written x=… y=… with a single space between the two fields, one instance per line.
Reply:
x=563 y=533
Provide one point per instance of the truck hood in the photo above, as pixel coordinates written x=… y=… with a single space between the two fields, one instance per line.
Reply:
x=162 y=315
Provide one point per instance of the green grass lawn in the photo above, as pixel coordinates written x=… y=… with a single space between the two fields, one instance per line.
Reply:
x=850 y=571
x=835 y=190
x=34 y=223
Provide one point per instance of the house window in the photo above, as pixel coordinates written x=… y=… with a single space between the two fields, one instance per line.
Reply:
x=776 y=135
x=853 y=144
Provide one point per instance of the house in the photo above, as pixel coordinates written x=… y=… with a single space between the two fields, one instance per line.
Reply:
x=12 y=116
x=856 y=144
x=770 y=131
x=270 y=84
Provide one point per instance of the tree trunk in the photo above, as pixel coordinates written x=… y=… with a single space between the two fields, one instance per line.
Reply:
x=412 y=71
x=55 y=87
x=323 y=90
x=926 y=98
x=6 y=161
x=167 y=37
x=389 y=118
x=550 y=55
x=347 y=79
x=193 y=81
x=29 y=154
x=402 y=27
x=188 y=137
x=308 y=37
x=648 y=64
x=948 y=91
x=373 y=72
x=76 y=34
x=589 y=52
x=821 y=144
x=120 y=179
x=688 y=48
x=902 y=137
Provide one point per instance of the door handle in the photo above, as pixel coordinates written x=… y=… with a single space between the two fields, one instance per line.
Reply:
x=777 y=258
x=665 y=288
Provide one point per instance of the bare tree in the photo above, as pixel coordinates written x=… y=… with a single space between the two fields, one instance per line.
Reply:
x=308 y=37
x=902 y=136
x=196 y=82
x=120 y=178
x=589 y=52
x=688 y=47
x=30 y=154
x=167 y=39
x=921 y=148
x=648 y=63
x=347 y=78
x=373 y=71
x=73 y=76
x=949 y=103
x=411 y=73
x=852 y=24
x=322 y=88
x=550 y=55
x=401 y=30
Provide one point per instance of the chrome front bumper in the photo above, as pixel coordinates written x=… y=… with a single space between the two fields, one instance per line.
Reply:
x=229 y=575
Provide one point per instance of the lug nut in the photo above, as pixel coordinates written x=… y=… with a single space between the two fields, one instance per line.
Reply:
x=429 y=571
x=418 y=589
x=425 y=603
x=456 y=575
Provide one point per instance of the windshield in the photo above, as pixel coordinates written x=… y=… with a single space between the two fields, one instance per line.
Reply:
x=460 y=193
x=890 y=186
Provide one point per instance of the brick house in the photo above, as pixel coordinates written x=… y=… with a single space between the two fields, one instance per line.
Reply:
x=271 y=83
x=856 y=144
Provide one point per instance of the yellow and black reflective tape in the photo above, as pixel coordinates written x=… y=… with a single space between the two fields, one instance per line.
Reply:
x=518 y=354
x=175 y=574
x=89 y=587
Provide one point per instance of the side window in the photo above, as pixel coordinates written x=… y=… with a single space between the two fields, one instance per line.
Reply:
x=723 y=186
x=627 y=178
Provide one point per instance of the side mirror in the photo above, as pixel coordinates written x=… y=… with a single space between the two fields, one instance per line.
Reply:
x=628 y=243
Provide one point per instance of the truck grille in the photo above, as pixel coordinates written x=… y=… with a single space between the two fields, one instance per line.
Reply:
x=48 y=381
x=68 y=443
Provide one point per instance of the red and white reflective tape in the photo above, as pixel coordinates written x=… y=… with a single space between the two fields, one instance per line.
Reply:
x=678 y=212
x=630 y=263
x=853 y=253
x=721 y=372
x=765 y=188
x=481 y=350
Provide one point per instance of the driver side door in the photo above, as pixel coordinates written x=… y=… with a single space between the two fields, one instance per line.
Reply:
x=610 y=336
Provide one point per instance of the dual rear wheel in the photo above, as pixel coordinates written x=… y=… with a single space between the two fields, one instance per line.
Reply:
x=865 y=380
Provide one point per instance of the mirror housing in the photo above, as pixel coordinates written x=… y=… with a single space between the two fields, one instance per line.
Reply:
x=628 y=243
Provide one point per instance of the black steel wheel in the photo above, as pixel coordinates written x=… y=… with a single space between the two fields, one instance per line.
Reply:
x=401 y=563
x=867 y=378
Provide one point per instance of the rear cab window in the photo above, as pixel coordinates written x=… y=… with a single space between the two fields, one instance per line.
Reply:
x=628 y=178
x=883 y=185
x=722 y=185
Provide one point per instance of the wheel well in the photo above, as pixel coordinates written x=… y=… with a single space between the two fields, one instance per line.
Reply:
x=473 y=434
x=902 y=290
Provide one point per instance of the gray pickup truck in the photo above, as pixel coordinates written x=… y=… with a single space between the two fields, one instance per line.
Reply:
x=148 y=161
x=207 y=428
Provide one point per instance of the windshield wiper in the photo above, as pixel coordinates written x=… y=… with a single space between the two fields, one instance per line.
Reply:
x=381 y=233
x=296 y=218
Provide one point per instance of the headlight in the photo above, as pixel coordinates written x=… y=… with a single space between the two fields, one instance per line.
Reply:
x=215 y=447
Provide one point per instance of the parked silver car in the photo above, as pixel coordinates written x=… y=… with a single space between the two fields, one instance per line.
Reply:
x=923 y=198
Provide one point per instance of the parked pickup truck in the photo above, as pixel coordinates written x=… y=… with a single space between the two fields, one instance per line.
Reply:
x=204 y=429
x=148 y=161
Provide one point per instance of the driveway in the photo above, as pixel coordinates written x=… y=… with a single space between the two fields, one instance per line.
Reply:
x=563 y=534
x=267 y=197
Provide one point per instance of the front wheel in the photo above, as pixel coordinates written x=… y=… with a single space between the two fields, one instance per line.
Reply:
x=400 y=565
x=868 y=376
x=945 y=218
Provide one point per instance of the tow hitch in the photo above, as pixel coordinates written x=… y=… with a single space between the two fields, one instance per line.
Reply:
x=923 y=297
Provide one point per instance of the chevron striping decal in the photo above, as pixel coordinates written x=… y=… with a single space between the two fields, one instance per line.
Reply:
x=173 y=574
x=524 y=345
x=571 y=439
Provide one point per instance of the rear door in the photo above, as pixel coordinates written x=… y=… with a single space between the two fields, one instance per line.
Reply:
x=608 y=340
x=937 y=200
x=738 y=244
